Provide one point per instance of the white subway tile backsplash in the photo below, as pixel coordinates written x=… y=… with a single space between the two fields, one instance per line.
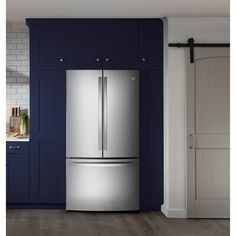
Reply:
x=15 y=40
x=25 y=52
x=22 y=57
x=17 y=62
x=13 y=63
x=25 y=63
x=8 y=74
x=22 y=102
x=16 y=52
x=11 y=35
x=10 y=58
x=8 y=52
x=11 y=90
x=11 y=46
x=11 y=68
x=25 y=96
x=22 y=46
x=14 y=96
x=11 y=101
x=14 y=29
x=25 y=29
x=22 y=80
x=22 y=90
x=11 y=80
x=22 y=68
x=22 y=35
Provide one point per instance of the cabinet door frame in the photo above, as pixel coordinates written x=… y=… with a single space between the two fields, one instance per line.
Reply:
x=116 y=36
x=151 y=45
x=43 y=135
x=54 y=35
x=92 y=33
x=22 y=189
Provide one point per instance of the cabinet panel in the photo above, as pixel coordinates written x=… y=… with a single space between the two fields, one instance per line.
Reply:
x=17 y=147
x=17 y=178
x=47 y=147
x=120 y=46
x=151 y=140
x=84 y=46
x=151 y=45
x=47 y=47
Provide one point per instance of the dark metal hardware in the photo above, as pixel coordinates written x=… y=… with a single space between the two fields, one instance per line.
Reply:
x=192 y=45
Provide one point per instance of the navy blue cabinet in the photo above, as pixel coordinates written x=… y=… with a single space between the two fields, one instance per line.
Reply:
x=151 y=139
x=84 y=46
x=97 y=45
x=17 y=172
x=57 y=45
x=48 y=136
x=151 y=45
x=47 y=47
x=120 y=46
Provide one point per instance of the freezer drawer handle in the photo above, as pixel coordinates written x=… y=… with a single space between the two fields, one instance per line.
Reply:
x=104 y=163
x=99 y=113
x=105 y=113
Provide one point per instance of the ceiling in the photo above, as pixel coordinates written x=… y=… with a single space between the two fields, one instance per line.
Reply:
x=18 y=10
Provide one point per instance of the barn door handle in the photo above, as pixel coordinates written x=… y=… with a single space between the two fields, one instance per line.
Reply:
x=191 y=141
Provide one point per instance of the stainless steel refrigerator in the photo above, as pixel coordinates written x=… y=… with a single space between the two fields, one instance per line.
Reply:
x=102 y=140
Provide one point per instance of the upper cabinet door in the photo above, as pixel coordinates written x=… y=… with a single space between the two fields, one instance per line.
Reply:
x=120 y=46
x=151 y=45
x=47 y=47
x=84 y=46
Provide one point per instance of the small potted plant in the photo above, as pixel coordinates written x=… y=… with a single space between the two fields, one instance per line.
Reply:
x=23 y=124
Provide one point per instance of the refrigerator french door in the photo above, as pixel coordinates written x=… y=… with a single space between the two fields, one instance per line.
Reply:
x=102 y=140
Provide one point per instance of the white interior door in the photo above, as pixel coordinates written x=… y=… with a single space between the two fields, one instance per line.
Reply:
x=208 y=93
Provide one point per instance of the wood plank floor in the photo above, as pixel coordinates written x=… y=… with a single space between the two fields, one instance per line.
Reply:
x=60 y=223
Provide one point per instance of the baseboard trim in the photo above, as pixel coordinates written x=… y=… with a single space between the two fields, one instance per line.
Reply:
x=60 y=206
x=173 y=213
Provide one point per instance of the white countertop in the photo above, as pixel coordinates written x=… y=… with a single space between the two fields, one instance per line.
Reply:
x=14 y=139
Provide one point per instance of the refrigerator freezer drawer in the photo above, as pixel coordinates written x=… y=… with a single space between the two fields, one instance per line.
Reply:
x=107 y=185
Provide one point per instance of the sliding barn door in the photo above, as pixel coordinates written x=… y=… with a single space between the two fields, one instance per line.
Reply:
x=208 y=93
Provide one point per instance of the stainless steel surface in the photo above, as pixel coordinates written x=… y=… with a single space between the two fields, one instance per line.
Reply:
x=121 y=127
x=102 y=120
x=100 y=115
x=102 y=185
x=82 y=113
x=104 y=113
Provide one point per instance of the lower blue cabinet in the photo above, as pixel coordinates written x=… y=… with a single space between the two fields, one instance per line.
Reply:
x=48 y=137
x=151 y=140
x=17 y=173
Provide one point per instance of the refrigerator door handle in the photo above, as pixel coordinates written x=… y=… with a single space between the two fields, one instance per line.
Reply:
x=105 y=113
x=99 y=113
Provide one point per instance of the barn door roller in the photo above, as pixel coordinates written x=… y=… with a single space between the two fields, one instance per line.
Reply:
x=192 y=45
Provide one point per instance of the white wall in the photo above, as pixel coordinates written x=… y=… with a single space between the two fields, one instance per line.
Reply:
x=203 y=30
